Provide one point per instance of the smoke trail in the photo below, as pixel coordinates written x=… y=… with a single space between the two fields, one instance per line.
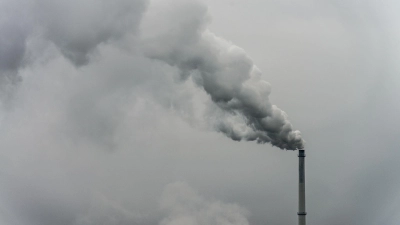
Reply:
x=226 y=73
x=222 y=69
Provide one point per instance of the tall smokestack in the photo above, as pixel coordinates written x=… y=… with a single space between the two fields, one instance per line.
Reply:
x=302 y=189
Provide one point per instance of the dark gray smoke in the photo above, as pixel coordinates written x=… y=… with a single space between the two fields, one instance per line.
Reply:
x=226 y=73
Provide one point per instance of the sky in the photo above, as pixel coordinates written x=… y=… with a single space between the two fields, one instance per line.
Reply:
x=156 y=112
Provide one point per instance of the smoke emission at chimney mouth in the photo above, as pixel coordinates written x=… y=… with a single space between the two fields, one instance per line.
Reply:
x=241 y=110
x=227 y=74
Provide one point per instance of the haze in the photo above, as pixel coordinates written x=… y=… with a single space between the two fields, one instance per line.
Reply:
x=105 y=120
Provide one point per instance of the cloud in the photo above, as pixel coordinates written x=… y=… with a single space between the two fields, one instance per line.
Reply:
x=185 y=206
x=77 y=28
x=103 y=211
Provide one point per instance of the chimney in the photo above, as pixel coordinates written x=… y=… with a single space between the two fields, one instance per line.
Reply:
x=302 y=189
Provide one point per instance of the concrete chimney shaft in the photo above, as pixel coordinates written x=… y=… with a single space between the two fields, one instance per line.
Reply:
x=302 y=189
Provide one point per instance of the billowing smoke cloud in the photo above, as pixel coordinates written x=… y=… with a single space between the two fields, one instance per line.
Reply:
x=75 y=87
x=185 y=206
x=181 y=40
x=226 y=73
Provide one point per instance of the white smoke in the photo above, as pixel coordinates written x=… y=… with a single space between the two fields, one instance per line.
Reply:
x=178 y=36
x=225 y=72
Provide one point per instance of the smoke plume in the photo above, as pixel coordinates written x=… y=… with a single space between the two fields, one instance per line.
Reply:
x=227 y=75
x=241 y=109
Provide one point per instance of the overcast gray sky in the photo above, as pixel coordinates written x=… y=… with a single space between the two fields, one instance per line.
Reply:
x=124 y=112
